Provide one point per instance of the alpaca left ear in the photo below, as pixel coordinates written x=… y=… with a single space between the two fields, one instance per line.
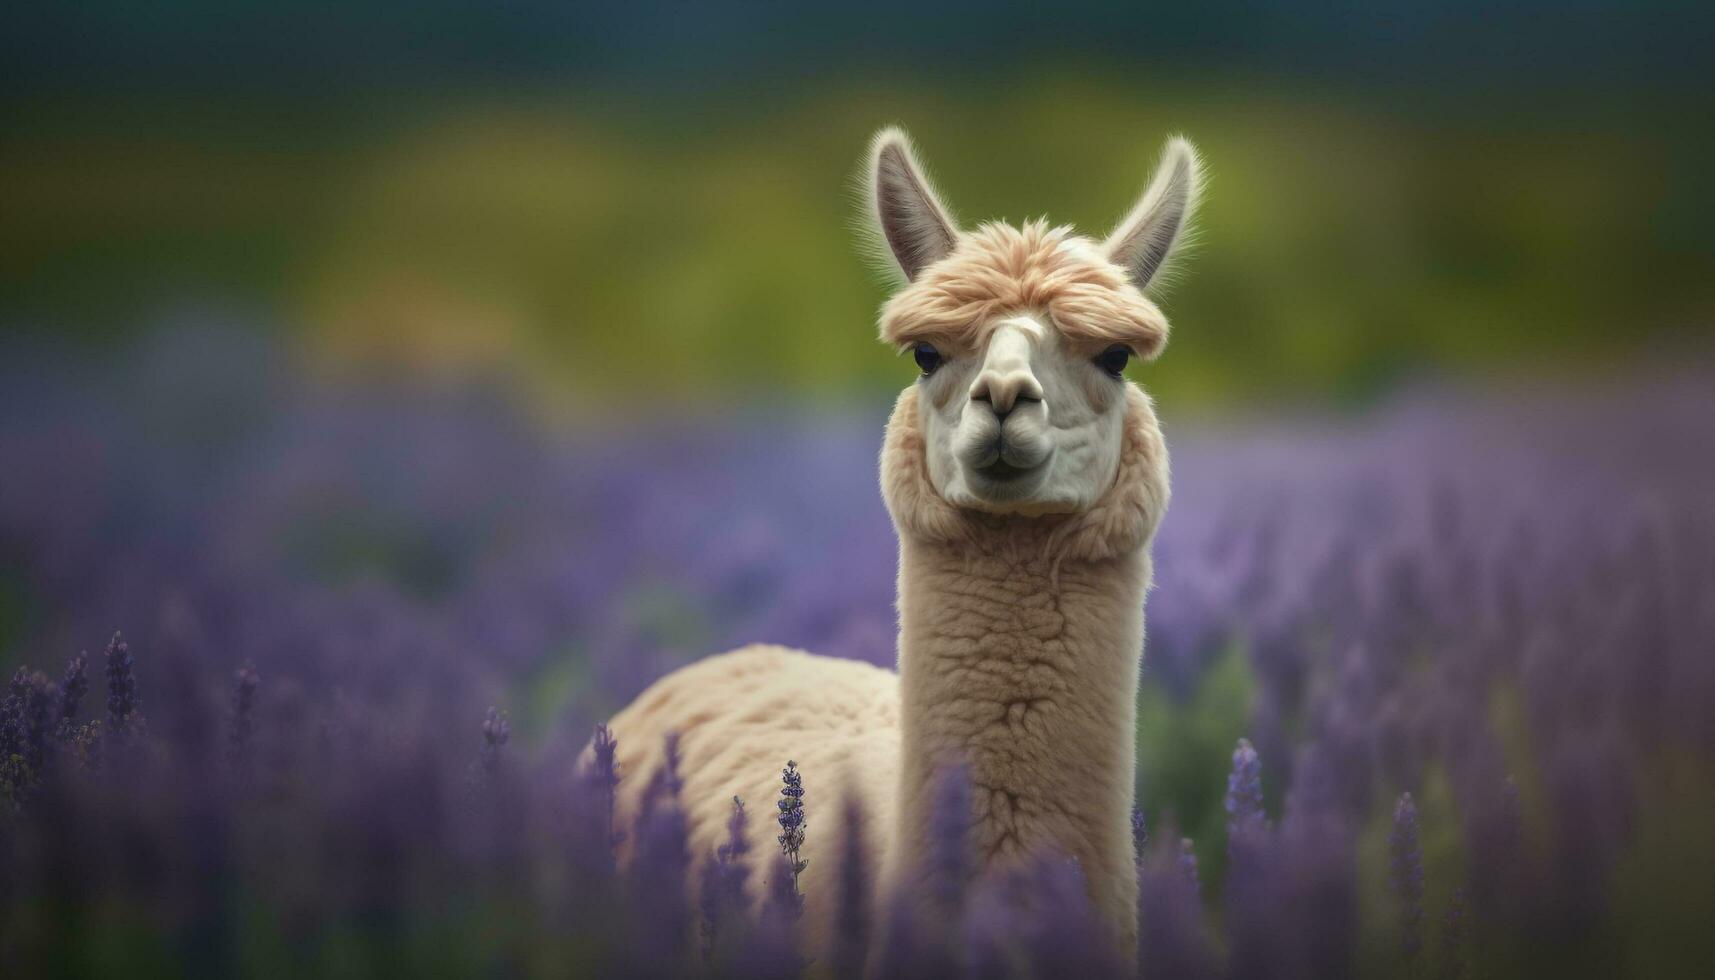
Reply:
x=1144 y=242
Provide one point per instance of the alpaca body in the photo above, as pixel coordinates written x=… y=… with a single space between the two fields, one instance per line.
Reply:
x=1025 y=477
x=1020 y=643
x=739 y=717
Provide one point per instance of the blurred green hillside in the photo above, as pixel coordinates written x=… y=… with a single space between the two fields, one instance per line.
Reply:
x=605 y=247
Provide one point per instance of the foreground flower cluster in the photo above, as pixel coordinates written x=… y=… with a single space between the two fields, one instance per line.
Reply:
x=369 y=631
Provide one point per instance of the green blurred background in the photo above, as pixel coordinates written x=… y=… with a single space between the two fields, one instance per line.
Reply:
x=611 y=204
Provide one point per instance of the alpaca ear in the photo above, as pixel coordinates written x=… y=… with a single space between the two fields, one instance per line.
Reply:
x=912 y=220
x=1161 y=220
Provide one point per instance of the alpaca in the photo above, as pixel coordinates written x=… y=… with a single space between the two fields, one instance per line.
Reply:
x=1025 y=477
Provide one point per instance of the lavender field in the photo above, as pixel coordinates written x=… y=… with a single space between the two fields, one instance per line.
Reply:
x=303 y=667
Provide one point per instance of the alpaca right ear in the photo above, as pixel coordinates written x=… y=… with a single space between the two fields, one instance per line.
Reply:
x=917 y=227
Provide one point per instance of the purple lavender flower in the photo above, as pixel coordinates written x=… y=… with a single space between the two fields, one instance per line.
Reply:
x=1453 y=925
x=660 y=908
x=1495 y=830
x=241 y=724
x=496 y=731
x=1256 y=919
x=852 y=896
x=1244 y=792
x=1172 y=938
x=83 y=744
x=16 y=780
x=12 y=714
x=121 y=687
x=792 y=824
x=723 y=880
x=72 y=688
x=603 y=775
x=37 y=720
x=949 y=868
x=25 y=721
x=666 y=782
x=1321 y=895
x=1405 y=874
x=1566 y=566
x=1186 y=861
x=1061 y=933
x=774 y=951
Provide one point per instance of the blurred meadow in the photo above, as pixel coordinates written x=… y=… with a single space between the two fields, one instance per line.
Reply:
x=371 y=369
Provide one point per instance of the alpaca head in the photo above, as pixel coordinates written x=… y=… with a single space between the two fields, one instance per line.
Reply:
x=1022 y=334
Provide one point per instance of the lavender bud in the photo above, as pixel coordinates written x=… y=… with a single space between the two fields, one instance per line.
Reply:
x=950 y=864
x=775 y=953
x=121 y=685
x=661 y=910
x=1453 y=937
x=1405 y=873
x=852 y=911
x=72 y=689
x=792 y=824
x=604 y=775
x=24 y=730
x=12 y=714
x=241 y=725
x=1244 y=791
x=724 y=877
x=665 y=784
x=496 y=731
x=1186 y=862
x=1172 y=937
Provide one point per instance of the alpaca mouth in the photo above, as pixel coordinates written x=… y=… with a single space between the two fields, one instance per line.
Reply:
x=1000 y=471
x=1006 y=464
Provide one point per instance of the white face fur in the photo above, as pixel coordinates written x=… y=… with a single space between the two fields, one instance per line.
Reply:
x=1028 y=424
x=1019 y=417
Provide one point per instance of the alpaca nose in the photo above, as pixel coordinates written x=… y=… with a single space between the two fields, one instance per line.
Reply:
x=1005 y=390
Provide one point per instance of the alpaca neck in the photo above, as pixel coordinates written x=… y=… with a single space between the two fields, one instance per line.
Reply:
x=1022 y=667
x=1019 y=646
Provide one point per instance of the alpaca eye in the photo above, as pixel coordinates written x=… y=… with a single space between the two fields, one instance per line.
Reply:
x=1114 y=359
x=928 y=358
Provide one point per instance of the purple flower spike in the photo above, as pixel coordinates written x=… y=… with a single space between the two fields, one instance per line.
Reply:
x=72 y=689
x=1244 y=792
x=1186 y=862
x=241 y=728
x=774 y=953
x=792 y=823
x=724 y=877
x=604 y=776
x=1061 y=933
x=1405 y=874
x=121 y=686
x=12 y=713
x=660 y=910
x=1453 y=937
x=666 y=782
x=496 y=732
x=25 y=721
x=949 y=840
x=38 y=719
x=1172 y=941
x=852 y=911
